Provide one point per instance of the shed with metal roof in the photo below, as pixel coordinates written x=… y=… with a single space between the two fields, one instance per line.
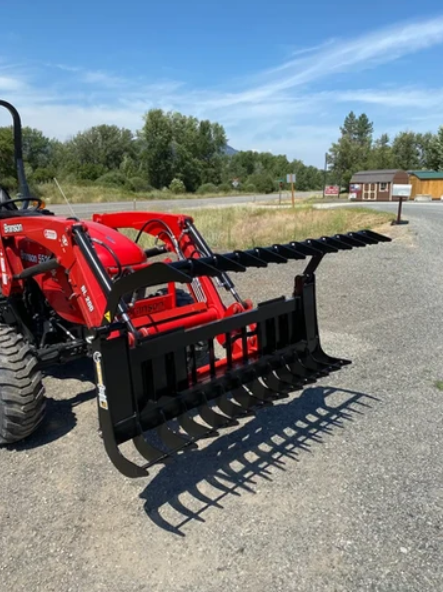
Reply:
x=426 y=183
x=376 y=185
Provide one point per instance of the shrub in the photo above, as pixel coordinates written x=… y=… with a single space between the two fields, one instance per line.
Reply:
x=9 y=183
x=177 y=186
x=42 y=175
x=263 y=182
x=207 y=188
x=138 y=184
x=90 y=171
x=113 y=179
x=249 y=188
x=225 y=188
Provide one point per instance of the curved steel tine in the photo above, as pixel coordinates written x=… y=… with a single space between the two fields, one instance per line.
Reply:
x=124 y=465
x=173 y=440
x=214 y=419
x=322 y=356
x=230 y=408
x=261 y=391
x=193 y=428
x=246 y=400
x=149 y=452
x=301 y=371
x=322 y=368
x=278 y=387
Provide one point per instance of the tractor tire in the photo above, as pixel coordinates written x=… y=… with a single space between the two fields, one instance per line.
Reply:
x=22 y=402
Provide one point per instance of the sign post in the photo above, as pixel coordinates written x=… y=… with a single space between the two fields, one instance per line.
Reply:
x=291 y=178
x=402 y=192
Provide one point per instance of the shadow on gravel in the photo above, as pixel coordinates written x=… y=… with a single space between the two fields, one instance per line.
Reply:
x=60 y=418
x=234 y=462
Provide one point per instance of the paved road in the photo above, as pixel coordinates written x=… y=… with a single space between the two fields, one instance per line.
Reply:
x=166 y=205
x=410 y=210
x=337 y=489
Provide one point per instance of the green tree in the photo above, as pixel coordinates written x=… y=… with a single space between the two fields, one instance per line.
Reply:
x=352 y=150
x=381 y=153
x=7 y=168
x=405 y=151
x=364 y=131
x=37 y=148
x=427 y=145
x=103 y=146
x=350 y=127
x=158 y=153
x=438 y=149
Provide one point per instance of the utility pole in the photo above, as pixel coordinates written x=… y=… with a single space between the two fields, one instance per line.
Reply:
x=325 y=173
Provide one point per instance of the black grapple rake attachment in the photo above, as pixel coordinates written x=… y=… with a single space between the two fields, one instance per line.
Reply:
x=161 y=371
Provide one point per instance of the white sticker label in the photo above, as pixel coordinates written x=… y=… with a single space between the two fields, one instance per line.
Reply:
x=8 y=228
x=101 y=389
x=50 y=234
x=87 y=299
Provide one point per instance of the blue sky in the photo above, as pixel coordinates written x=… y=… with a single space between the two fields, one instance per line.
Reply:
x=280 y=75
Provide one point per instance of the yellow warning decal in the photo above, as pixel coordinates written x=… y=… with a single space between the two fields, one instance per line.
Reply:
x=107 y=316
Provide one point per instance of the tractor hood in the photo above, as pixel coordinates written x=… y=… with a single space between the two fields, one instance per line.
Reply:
x=127 y=252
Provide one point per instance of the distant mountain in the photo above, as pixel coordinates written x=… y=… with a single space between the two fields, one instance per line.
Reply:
x=230 y=151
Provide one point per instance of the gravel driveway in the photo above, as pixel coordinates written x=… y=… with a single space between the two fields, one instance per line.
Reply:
x=337 y=489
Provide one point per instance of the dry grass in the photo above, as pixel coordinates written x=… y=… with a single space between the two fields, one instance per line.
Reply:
x=246 y=227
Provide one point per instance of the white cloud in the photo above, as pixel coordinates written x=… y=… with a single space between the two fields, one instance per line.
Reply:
x=273 y=110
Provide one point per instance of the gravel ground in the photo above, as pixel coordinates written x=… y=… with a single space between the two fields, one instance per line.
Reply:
x=337 y=489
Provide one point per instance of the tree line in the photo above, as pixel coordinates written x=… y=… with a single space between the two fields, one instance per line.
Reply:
x=357 y=150
x=171 y=151
x=180 y=153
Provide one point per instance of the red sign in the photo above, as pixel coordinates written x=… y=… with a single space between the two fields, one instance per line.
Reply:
x=332 y=190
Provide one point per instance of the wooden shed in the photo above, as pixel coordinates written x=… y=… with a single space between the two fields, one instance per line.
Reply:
x=377 y=185
x=426 y=183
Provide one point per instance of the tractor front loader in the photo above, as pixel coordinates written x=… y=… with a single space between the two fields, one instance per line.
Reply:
x=169 y=359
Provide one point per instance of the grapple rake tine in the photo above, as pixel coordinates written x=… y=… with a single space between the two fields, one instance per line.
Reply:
x=172 y=440
x=351 y=240
x=263 y=392
x=226 y=263
x=248 y=401
x=231 y=409
x=194 y=429
x=149 y=452
x=336 y=243
x=380 y=238
x=269 y=255
x=214 y=419
x=301 y=371
x=248 y=260
x=288 y=252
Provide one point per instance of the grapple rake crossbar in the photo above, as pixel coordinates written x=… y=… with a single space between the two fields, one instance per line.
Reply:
x=268 y=352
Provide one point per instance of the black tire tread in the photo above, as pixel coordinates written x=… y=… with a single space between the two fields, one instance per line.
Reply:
x=22 y=400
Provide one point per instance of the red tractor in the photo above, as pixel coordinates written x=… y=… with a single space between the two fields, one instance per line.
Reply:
x=180 y=362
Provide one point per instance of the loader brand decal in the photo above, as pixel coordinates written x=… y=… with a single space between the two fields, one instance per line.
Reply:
x=34 y=257
x=50 y=234
x=101 y=389
x=149 y=308
x=87 y=298
x=8 y=228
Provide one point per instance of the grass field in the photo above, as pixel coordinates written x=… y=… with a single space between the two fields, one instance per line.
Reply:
x=98 y=194
x=246 y=227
